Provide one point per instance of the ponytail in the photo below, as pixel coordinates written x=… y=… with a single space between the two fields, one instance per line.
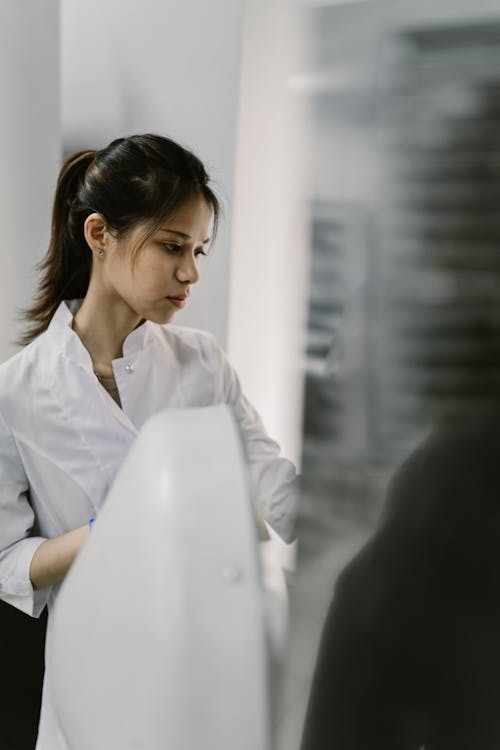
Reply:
x=66 y=267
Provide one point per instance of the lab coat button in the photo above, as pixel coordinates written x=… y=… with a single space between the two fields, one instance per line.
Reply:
x=129 y=369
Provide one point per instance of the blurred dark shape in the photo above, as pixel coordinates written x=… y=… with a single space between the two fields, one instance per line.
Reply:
x=410 y=652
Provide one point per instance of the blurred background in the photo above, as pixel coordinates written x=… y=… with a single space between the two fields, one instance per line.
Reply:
x=403 y=326
x=355 y=282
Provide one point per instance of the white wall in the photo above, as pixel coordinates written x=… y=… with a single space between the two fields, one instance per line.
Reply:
x=30 y=149
x=270 y=262
x=170 y=67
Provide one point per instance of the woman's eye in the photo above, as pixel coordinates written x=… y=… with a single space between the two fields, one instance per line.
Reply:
x=173 y=248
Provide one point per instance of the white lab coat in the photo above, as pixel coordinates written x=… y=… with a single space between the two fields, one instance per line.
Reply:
x=63 y=439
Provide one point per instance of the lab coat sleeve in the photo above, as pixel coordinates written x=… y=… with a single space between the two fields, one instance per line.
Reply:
x=17 y=545
x=273 y=477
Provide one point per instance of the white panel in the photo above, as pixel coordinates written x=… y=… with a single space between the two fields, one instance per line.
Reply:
x=159 y=629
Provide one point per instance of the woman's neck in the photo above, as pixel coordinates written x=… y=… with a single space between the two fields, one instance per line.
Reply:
x=102 y=328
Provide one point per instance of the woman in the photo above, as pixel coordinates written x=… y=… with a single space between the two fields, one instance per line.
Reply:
x=129 y=225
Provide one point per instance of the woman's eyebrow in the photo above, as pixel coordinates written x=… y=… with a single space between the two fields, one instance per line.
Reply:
x=181 y=234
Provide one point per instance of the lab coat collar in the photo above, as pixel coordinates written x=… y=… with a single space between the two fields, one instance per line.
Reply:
x=61 y=325
x=72 y=348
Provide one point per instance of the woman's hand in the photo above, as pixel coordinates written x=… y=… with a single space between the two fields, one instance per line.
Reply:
x=54 y=557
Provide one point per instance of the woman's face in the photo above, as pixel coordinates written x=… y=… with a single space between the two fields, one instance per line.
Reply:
x=155 y=282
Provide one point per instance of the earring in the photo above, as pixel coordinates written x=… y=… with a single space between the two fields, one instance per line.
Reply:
x=101 y=252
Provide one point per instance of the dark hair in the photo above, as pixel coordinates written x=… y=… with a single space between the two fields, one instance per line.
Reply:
x=138 y=178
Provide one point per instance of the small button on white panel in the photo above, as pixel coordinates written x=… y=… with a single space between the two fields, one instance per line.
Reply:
x=129 y=369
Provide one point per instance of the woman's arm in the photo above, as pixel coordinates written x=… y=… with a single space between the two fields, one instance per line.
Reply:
x=273 y=477
x=54 y=557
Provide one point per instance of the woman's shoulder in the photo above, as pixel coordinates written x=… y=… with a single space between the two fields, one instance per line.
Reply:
x=15 y=369
x=18 y=360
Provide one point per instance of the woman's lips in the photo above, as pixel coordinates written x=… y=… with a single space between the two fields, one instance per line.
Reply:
x=178 y=302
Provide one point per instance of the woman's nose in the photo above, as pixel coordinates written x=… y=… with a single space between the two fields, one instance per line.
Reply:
x=187 y=271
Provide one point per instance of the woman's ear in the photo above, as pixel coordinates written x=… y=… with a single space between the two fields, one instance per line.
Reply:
x=96 y=233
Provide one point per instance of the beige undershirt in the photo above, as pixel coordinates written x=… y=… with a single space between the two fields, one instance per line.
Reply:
x=109 y=384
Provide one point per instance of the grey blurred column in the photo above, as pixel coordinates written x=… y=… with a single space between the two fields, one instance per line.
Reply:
x=29 y=149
